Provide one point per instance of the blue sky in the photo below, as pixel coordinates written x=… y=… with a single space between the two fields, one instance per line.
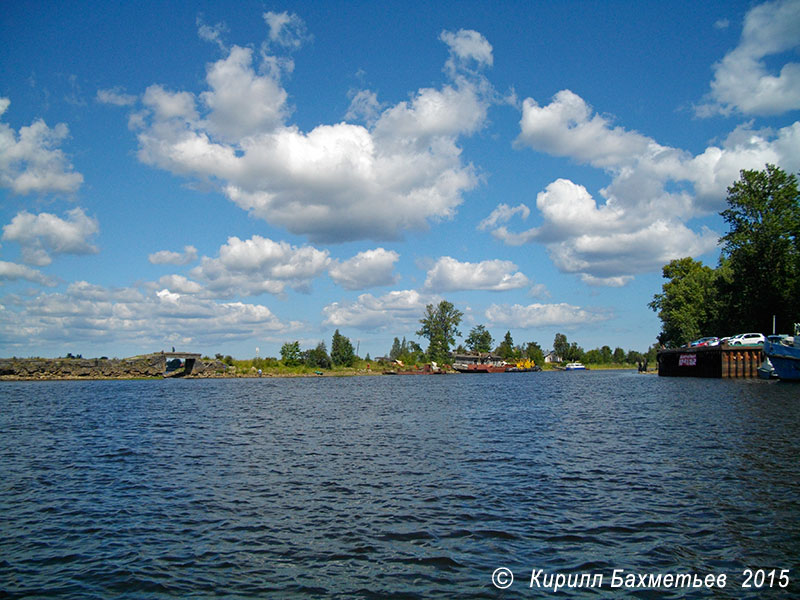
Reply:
x=221 y=177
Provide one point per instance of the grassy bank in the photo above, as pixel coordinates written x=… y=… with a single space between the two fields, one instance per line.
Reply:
x=273 y=368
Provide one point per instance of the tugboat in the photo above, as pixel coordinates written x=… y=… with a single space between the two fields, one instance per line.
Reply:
x=524 y=366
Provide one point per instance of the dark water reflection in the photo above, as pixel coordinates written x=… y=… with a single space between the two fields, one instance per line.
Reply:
x=394 y=487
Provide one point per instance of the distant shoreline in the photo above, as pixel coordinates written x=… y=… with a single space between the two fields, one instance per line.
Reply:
x=150 y=367
x=177 y=365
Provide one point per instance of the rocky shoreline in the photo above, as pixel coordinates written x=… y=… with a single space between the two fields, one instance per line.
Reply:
x=139 y=367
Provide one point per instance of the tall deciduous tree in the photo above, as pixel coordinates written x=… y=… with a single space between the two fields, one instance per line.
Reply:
x=759 y=270
x=440 y=326
x=479 y=339
x=560 y=346
x=762 y=249
x=534 y=352
x=619 y=356
x=688 y=303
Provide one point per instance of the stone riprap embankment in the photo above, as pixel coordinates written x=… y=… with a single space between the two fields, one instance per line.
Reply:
x=153 y=365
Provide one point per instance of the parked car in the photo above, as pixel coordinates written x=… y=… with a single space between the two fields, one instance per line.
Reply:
x=747 y=339
x=706 y=341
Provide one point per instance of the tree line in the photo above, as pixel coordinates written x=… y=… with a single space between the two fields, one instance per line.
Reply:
x=342 y=354
x=758 y=273
x=440 y=325
x=757 y=277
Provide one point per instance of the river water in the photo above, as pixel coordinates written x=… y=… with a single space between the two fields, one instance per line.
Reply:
x=398 y=487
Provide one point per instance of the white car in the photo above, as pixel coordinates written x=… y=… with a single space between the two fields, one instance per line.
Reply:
x=746 y=339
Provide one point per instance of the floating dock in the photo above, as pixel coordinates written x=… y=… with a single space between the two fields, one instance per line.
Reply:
x=715 y=361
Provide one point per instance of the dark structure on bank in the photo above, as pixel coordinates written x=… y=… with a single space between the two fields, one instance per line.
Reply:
x=715 y=361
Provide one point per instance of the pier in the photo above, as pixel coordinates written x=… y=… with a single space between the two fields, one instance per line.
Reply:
x=715 y=362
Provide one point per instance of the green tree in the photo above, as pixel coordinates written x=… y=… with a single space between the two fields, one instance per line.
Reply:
x=574 y=353
x=593 y=357
x=412 y=353
x=561 y=346
x=634 y=357
x=688 y=305
x=506 y=348
x=652 y=354
x=342 y=353
x=318 y=357
x=290 y=354
x=619 y=356
x=762 y=248
x=605 y=354
x=440 y=326
x=479 y=339
x=397 y=349
x=534 y=352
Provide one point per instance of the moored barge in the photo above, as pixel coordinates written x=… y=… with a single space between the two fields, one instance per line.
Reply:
x=711 y=361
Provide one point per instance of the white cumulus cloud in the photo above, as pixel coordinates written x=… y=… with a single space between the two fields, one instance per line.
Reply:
x=115 y=96
x=334 y=183
x=370 y=268
x=569 y=127
x=466 y=47
x=10 y=271
x=286 y=29
x=89 y=315
x=449 y=274
x=390 y=311
x=241 y=102
x=44 y=235
x=180 y=284
x=169 y=257
x=642 y=219
x=31 y=161
x=743 y=81
x=542 y=315
x=260 y=265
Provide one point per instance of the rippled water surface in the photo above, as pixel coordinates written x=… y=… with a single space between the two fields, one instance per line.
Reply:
x=394 y=487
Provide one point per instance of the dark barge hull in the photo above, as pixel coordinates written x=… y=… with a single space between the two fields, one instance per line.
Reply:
x=714 y=362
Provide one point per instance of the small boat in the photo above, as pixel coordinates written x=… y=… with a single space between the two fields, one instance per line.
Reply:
x=785 y=356
x=766 y=370
x=574 y=366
